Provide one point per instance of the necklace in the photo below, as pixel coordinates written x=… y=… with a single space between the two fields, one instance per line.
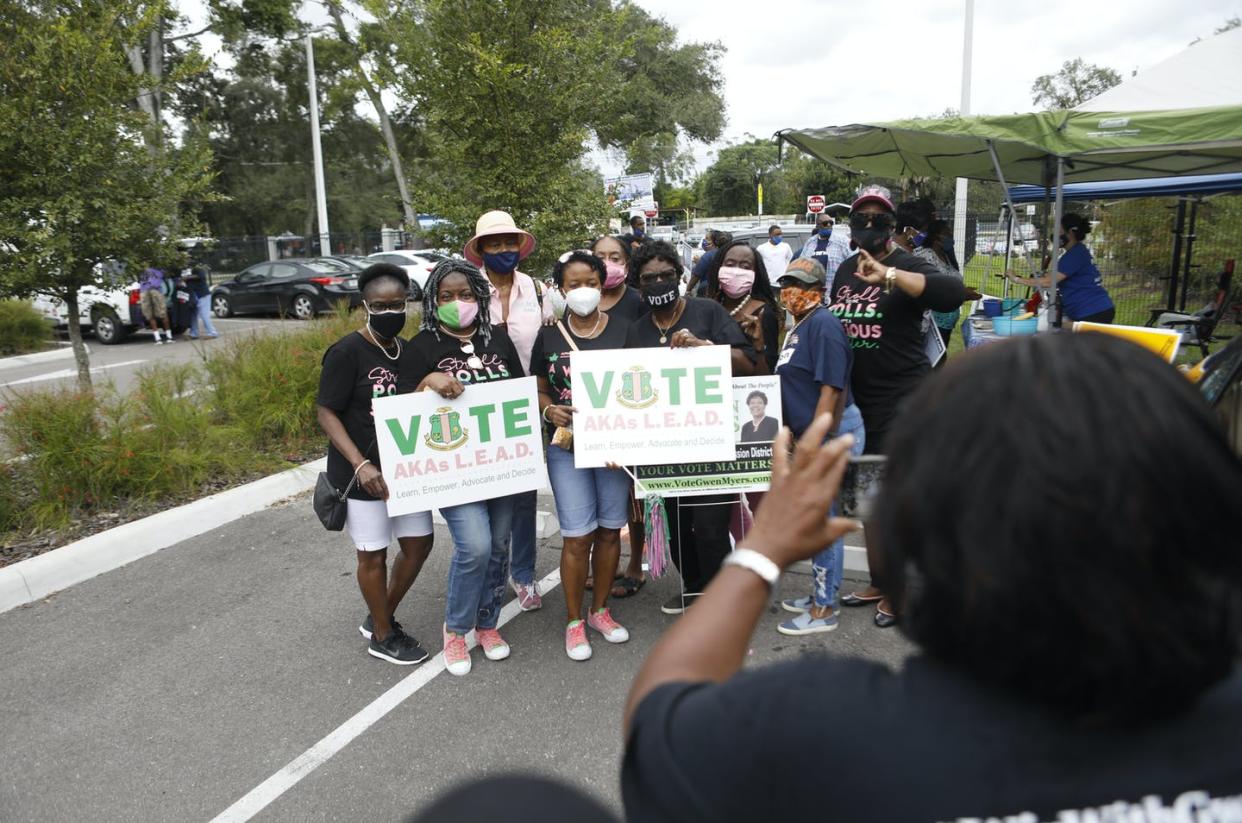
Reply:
x=804 y=317
x=371 y=339
x=733 y=312
x=467 y=347
x=664 y=329
x=588 y=335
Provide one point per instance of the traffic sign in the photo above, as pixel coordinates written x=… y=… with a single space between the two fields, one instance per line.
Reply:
x=815 y=203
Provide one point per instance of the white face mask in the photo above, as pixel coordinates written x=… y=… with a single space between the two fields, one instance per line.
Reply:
x=582 y=300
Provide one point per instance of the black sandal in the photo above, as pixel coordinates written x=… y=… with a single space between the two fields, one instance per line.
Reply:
x=627 y=586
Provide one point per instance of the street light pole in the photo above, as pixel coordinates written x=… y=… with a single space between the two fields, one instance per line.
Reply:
x=325 y=242
x=959 y=206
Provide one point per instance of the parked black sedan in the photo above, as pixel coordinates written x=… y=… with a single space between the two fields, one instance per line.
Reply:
x=302 y=287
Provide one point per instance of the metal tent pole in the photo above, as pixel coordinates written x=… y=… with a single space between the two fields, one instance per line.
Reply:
x=1176 y=263
x=1056 y=228
x=1190 y=247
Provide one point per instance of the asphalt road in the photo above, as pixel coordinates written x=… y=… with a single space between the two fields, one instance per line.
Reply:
x=120 y=363
x=173 y=687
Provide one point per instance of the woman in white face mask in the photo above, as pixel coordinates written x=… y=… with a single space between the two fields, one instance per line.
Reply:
x=592 y=504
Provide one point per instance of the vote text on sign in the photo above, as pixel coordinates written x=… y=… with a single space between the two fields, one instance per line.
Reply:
x=640 y=407
x=436 y=452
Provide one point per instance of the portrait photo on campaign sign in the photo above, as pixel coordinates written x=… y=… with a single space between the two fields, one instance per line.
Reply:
x=436 y=452
x=642 y=407
x=756 y=422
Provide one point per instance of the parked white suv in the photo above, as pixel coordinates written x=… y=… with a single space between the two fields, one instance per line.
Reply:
x=110 y=314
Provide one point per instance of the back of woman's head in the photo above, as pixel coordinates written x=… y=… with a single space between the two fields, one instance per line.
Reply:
x=1086 y=554
x=1076 y=223
x=914 y=214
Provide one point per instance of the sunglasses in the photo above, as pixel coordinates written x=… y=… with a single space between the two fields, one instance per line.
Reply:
x=861 y=220
x=657 y=276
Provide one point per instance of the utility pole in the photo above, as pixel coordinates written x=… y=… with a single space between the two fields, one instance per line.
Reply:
x=325 y=242
x=960 y=200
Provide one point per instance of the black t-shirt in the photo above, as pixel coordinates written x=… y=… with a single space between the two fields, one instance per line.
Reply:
x=886 y=332
x=425 y=354
x=550 y=358
x=355 y=372
x=705 y=319
x=846 y=739
x=771 y=332
x=630 y=307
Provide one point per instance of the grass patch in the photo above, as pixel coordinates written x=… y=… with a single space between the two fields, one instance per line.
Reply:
x=22 y=329
x=247 y=408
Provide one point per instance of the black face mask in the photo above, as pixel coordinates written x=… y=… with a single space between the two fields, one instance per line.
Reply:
x=387 y=324
x=872 y=240
x=660 y=294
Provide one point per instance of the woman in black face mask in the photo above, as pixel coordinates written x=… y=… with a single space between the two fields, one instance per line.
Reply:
x=358 y=368
x=699 y=534
x=880 y=295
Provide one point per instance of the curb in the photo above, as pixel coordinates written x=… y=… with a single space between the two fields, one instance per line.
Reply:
x=17 y=361
x=30 y=580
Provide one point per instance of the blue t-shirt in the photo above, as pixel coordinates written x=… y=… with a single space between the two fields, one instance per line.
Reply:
x=700 y=271
x=1082 y=292
x=816 y=354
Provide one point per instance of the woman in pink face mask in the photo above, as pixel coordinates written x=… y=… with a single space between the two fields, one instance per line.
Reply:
x=620 y=299
x=738 y=280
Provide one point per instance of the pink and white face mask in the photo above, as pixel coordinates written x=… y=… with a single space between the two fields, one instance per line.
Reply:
x=735 y=281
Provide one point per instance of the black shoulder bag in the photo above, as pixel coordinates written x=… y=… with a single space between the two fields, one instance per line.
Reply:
x=330 y=503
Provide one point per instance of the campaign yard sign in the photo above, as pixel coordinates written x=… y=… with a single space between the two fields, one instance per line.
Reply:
x=642 y=407
x=436 y=452
x=757 y=421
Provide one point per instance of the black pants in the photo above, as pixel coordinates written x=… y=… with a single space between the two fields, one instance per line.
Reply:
x=1099 y=317
x=699 y=536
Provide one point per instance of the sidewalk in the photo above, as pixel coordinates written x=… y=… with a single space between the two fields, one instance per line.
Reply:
x=172 y=687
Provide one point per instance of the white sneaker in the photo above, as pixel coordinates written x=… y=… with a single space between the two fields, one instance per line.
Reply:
x=158 y=341
x=576 y=644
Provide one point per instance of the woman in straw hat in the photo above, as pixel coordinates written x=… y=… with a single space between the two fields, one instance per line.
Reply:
x=497 y=247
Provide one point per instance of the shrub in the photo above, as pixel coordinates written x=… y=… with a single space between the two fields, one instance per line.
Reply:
x=22 y=329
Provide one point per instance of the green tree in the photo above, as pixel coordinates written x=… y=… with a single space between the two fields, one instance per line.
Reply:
x=507 y=89
x=80 y=193
x=730 y=184
x=1076 y=82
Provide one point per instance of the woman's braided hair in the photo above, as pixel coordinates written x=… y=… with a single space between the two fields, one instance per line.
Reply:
x=479 y=286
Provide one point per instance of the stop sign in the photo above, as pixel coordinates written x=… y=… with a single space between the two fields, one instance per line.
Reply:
x=815 y=203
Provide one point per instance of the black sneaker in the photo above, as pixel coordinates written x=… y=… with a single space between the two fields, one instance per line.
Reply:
x=398 y=647
x=676 y=604
x=368 y=626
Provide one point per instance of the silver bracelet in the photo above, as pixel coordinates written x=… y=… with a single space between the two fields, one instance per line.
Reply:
x=360 y=465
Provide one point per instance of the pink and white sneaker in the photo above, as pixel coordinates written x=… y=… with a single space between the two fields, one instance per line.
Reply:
x=494 y=646
x=456 y=655
x=603 y=623
x=576 y=644
x=528 y=597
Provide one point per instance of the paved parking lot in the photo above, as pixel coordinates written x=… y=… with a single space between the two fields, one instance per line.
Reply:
x=183 y=685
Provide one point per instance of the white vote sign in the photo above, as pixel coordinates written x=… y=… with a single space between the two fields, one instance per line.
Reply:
x=641 y=407
x=436 y=452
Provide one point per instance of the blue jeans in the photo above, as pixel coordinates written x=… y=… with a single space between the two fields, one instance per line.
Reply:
x=202 y=312
x=828 y=567
x=587 y=499
x=477 y=573
x=523 y=570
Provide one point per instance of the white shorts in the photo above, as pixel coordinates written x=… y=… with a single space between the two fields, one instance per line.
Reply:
x=372 y=529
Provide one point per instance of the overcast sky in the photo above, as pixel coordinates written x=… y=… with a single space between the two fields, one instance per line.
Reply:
x=810 y=63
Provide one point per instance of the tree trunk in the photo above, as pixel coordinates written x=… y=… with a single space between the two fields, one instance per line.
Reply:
x=155 y=68
x=146 y=101
x=381 y=111
x=80 y=355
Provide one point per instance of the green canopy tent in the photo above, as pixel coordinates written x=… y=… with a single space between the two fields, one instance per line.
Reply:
x=1045 y=148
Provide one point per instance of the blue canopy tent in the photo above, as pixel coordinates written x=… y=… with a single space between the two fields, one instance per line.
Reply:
x=1190 y=191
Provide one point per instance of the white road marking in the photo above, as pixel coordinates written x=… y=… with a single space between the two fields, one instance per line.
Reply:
x=261 y=796
x=63 y=373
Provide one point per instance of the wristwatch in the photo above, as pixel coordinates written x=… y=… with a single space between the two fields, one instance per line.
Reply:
x=890 y=277
x=755 y=562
